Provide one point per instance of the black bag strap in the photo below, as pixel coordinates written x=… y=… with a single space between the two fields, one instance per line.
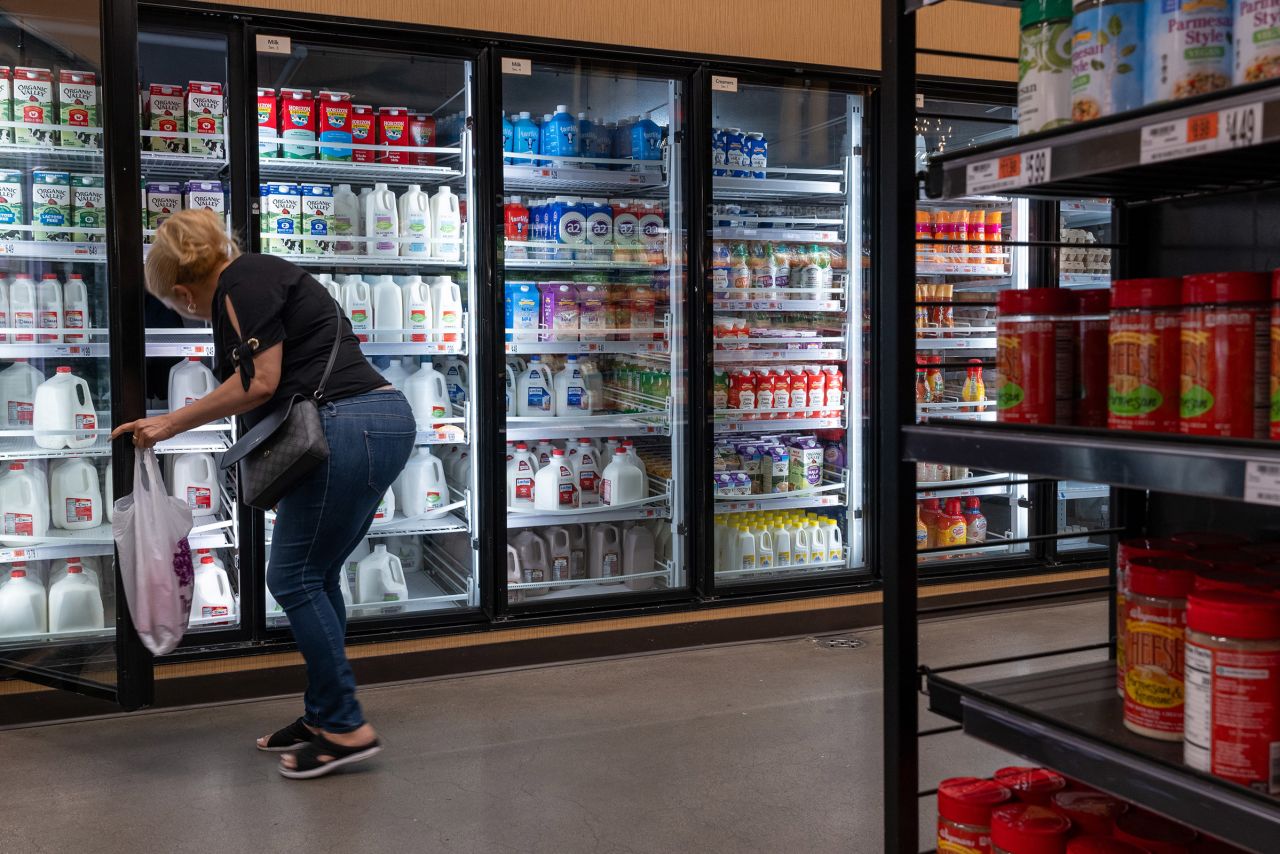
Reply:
x=318 y=396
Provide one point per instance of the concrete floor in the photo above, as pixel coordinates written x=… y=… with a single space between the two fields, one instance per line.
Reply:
x=765 y=747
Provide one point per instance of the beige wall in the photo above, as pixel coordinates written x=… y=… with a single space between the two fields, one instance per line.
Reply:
x=825 y=32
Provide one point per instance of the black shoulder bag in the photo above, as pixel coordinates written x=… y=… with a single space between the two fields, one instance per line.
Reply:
x=285 y=446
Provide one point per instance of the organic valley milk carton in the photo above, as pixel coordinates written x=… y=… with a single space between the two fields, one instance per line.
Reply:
x=164 y=199
x=205 y=110
x=51 y=204
x=268 y=123
x=12 y=210
x=78 y=109
x=6 y=103
x=205 y=195
x=317 y=219
x=89 y=207
x=33 y=105
x=166 y=110
x=281 y=219
x=298 y=123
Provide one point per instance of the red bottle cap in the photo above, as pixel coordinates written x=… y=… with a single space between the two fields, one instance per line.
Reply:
x=557 y=453
x=1166 y=577
x=1210 y=539
x=1031 y=785
x=74 y=568
x=1036 y=301
x=1154 y=833
x=1102 y=845
x=17 y=573
x=970 y=800
x=206 y=559
x=1090 y=812
x=1093 y=301
x=1231 y=614
x=1225 y=288
x=1029 y=829
x=64 y=369
x=1146 y=293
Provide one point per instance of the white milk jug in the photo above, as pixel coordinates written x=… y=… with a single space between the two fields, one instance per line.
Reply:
x=347 y=222
x=428 y=396
x=109 y=492
x=446 y=226
x=75 y=308
x=357 y=302
x=455 y=377
x=543 y=451
x=799 y=544
x=5 y=317
x=415 y=223
x=195 y=481
x=18 y=384
x=23 y=608
x=514 y=571
x=380 y=578
x=522 y=468
x=662 y=540
x=418 y=315
x=49 y=308
x=446 y=304
x=23 y=504
x=409 y=550
x=781 y=545
x=75 y=501
x=424 y=489
x=511 y=388
x=382 y=223
x=638 y=555
x=332 y=288
x=386 y=510
x=605 y=552
x=610 y=448
x=555 y=485
x=835 y=541
x=634 y=458
x=587 y=470
x=560 y=554
x=399 y=371
x=534 y=390
x=211 y=596
x=764 y=547
x=535 y=565
x=89 y=571
x=458 y=471
x=388 y=310
x=189 y=380
x=22 y=308
x=621 y=482
x=572 y=397
x=817 y=543
x=63 y=406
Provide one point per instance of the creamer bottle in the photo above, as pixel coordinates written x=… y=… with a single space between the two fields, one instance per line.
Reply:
x=446 y=300
x=18 y=384
x=446 y=226
x=382 y=223
x=347 y=222
x=23 y=609
x=388 y=310
x=415 y=223
x=418 y=315
x=75 y=500
x=357 y=301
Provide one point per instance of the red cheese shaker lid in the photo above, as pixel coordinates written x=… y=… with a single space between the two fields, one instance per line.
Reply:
x=1236 y=578
x=1102 y=845
x=1153 y=547
x=1029 y=829
x=1226 y=555
x=1155 y=833
x=1269 y=552
x=1031 y=785
x=970 y=800
x=1090 y=812
x=1166 y=577
x=1093 y=301
x=1227 y=613
x=1146 y=293
x=1035 y=301
x=1226 y=288
x=1210 y=539
x=1275 y=284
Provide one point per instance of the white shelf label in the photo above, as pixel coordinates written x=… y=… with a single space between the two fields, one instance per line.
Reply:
x=275 y=44
x=512 y=65
x=723 y=84
x=1223 y=130
x=1241 y=126
x=1009 y=172
x=1262 y=483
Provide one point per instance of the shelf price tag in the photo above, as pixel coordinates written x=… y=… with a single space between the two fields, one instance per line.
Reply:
x=1178 y=138
x=1008 y=172
x=1262 y=483
x=1241 y=126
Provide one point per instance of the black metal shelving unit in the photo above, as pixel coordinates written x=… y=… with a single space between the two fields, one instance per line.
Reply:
x=1168 y=167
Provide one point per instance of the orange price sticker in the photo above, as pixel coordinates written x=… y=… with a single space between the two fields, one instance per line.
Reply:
x=1010 y=167
x=1202 y=127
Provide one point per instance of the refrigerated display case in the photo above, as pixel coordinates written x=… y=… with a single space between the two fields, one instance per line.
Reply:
x=787 y=282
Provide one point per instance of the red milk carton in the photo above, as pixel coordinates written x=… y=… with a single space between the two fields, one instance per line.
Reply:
x=364 y=123
x=333 y=124
x=422 y=132
x=268 y=123
x=298 y=123
x=393 y=133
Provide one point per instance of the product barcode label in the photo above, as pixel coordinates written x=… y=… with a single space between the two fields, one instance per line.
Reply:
x=1008 y=172
x=1222 y=130
x=1262 y=483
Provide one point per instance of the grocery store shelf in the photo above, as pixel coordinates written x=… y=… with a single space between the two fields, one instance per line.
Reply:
x=180 y=342
x=418 y=526
x=54 y=351
x=51 y=250
x=830 y=494
x=1071 y=720
x=778 y=305
x=58 y=544
x=577 y=263
x=1207 y=144
x=347 y=172
x=397 y=342
x=589 y=174
x=1209 y=467
x=50 y=157
x=959 y=341
x=957 y=410
x=51 y=639
x=739 y=421
x=1084 y=280
x=651 y=507
x=776 y=571
x=792 y=184
x=602 y=426
x=185 y=167
x=1085 y=214
x=994 y=544
x=344 y=261
x=788 y=235
x=651 y=339
x=795 y=353
x=630 y=581
x=1076 y=491
x=951 y=268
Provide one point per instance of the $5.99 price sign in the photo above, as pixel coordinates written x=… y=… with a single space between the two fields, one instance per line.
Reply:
x=1221 y=130
x=1009 y=172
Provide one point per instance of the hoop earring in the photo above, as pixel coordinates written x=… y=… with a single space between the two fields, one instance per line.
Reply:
x=191 y=307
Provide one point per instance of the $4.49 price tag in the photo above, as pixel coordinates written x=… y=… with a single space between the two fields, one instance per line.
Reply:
x=1221 y=130
x=1007 y=173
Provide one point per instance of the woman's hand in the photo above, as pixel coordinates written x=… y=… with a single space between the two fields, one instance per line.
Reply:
x=148 y=431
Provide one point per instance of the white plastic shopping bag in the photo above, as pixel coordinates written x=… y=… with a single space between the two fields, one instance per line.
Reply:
x=150 y=530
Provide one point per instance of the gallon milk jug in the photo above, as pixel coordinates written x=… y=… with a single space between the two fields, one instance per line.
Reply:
x=446 y=226
x=510 y=388
x=75 y=308
x=428 y=396
x=458 y=470
x=662 y=540
x=610 y=448
x=423 y=487
x=382 y=223
x=419 y=318
x=534 y=394
x=535 y=564
x=24 y=505
x=560 y=551
x=455 y=377
x=5 y=337
x=521 y=470
x=347 y=222
x=88 y=570
x=604 y=558
x=18 y=384
x=63 y=406
x=572 y=397
x=49 y=307
x=446 y=303
x=380 y=578
x=398 y=372
x=587 y=469
x=189 y=380
x=543 y=451
x=388 y=310
x=621 y=482
x=331 y=287
x=75 y=501
x=22 y=606
x=638 y=555
x=195 y=481
x=386 y=510
x=409 y=550
x=357 y=301
x=211 y=596
x=634 y=458
x=415 y=223
x=109 y=491
x=22 y=308
x=555 y=486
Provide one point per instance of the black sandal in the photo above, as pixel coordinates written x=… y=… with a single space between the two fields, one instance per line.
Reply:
x=307 y=762
x=292 y=737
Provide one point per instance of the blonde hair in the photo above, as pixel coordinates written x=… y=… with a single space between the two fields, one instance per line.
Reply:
x=188 y=247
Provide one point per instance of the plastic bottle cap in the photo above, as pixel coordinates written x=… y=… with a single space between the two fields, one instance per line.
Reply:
x=1225 y=288
x=73 y=568
x=1031 y=785
x=522 y=447
x=64 y=369
x=1234 y=615
x=17 y=573
x=1146 y=293
x=16 y=467
x=1028 y=829
x=1036 y=301
x=970 y=800
x=1165 y=577
x=206 y=559
x=557 y=453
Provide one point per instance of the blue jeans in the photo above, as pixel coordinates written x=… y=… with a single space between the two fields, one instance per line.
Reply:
x=318 y=525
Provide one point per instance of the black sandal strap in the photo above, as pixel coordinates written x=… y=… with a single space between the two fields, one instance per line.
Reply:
x=295 y=733
x=308 y=759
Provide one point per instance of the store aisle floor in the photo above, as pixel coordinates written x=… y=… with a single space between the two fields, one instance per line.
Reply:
x=761 y=747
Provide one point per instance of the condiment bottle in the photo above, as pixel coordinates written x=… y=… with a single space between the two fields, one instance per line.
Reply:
x=1155 y=627
x=1144 y=355
x=1028 y=829
x=964 y=812
x=1031 y=785
x=974 y=522
x=922 y=531
x=1225 y=332
x=1035 y=356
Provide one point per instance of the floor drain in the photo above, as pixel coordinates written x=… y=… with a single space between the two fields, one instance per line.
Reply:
x=839 y=642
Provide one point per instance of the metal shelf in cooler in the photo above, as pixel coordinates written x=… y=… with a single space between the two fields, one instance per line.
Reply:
x=654 y=505
x=51 y=250
x=27 y=350
x=730 y=187
x=951 y=268
x=1084 y=280
x=347 y=172
x=830 y=494
x=577 y=264
x=50 y=157
x=180 y=166
x=399 y=526
x=793 y=569
x=788 y=235
x=404 y=347
x=606 y=175
x=732 y=357
x=45 y=640
x=338 y=260
x=587 y=347
x=833 y=305
x=594 y=584
x=735 y=420
x=959 y=341
x=523 y=429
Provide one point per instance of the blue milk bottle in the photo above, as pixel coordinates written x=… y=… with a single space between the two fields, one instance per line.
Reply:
x=508 y=138
x=526 y=138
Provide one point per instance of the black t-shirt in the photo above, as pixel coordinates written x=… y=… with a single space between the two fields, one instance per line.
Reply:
x=277 y=301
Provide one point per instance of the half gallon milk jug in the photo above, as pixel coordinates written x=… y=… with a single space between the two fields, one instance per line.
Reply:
x=587 y=469
x=388 y=310
x=560 y=553
x=446 y=303
x=347 y=222
x=22 y=606
x=835 y=541
x=428 y=396
x=446 y=226
x=195 y=481
x=357 y=302
x=535 y=563
x=386 y=510
x=211 y=596
x=423 y=487
x=572 y=397
x=455 y=377
x=189 y=380
x=63 y=406
x=75 y=500
x=604 y=554
x=22 y=308
x=521 y=470
x=49 y=307
x=534 y=390
x=415 y=223
x=75 y=308
x=18 y=384
x=380 y=578
x=638 y=555
x=621 y=483
x=399 y=371
x=382 y=223
x=555 y=485
x=418 y=316
x=764 y=546
x=24 y=506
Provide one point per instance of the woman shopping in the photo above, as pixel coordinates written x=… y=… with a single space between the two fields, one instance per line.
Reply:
x=277 y=334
